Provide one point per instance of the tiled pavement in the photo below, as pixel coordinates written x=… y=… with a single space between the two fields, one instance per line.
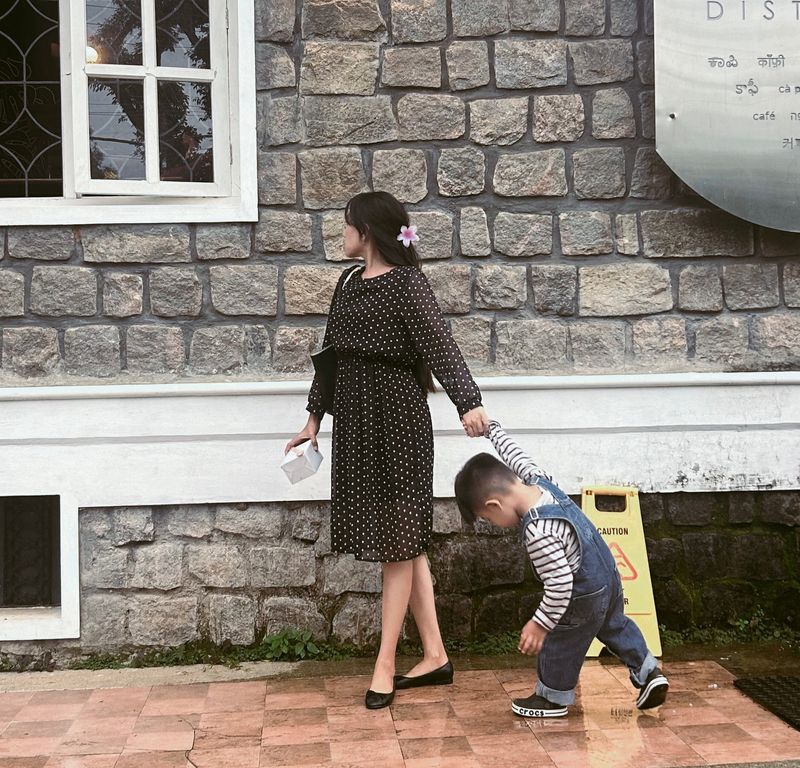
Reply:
x=322 y=722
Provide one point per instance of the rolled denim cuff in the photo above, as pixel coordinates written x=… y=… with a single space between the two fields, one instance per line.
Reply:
x=564 y=698
x=648 y=665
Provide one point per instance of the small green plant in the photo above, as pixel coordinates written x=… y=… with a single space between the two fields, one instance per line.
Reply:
x=100 y=661
x=486 y=645
x=191 y=653
x=289 y=645
x=758 y=628
x=495 y=645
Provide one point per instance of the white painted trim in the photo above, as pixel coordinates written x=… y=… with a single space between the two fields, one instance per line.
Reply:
x=65 y=14
x=195 y=443
x=129 y=210
x=242 y=97
x=59 y=622
x=151 y=127
x=486 y=384
x=223 y=118
x=239 y=202
x=139 y=72
x=143 y=444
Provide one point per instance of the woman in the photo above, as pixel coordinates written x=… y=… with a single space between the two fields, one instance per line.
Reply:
x=389 y=334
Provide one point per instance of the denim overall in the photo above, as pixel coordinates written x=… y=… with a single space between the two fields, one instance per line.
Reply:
x=595 y=610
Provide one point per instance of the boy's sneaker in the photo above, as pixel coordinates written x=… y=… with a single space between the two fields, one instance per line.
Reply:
x=536 y=706
x=654 y=690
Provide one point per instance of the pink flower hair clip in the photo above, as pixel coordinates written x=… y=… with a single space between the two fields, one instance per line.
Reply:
x=408 y=235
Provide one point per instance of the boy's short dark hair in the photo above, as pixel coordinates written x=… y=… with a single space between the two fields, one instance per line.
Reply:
x=481 y=477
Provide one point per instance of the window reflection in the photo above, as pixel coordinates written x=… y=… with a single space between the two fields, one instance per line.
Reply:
x=182 y=33
x=114 y=31
x=116 y=129
x=185 y=136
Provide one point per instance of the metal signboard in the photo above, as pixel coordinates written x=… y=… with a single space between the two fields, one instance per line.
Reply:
x=728 y=103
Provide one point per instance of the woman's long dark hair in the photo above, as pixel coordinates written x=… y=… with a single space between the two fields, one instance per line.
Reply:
x=379 y=216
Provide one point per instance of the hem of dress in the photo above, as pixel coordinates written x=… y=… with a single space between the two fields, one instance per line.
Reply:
x=360 y=559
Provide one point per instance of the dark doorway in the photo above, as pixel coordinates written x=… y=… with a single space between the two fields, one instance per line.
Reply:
x=30 y=551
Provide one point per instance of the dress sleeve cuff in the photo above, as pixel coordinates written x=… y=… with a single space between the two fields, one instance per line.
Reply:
x=467 y=407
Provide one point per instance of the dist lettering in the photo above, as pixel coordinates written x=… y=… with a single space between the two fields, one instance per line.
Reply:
x=748 y=9
x=764 y=116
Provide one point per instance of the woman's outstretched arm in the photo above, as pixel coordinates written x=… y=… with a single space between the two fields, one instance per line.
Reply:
x=436 y=345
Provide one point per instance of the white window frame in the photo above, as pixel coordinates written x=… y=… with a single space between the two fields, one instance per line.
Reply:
x=60 y=621
x=233 y=196
x=76 y=109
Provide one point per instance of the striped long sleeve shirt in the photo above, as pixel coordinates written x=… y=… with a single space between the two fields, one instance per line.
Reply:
x=552 y=545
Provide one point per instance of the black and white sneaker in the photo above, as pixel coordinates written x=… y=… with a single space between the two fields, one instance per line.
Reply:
x=654 y=690
x=536 y=706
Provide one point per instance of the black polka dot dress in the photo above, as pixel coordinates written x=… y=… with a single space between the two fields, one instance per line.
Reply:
x=382 y=460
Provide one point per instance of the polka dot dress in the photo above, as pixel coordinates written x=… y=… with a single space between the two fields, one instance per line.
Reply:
x=382 y=471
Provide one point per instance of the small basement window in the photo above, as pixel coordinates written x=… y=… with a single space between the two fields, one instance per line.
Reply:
x=39 y=579
x=31 y=552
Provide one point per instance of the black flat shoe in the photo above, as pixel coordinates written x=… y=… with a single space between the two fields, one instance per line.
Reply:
x=441 y=676
x=374 y=700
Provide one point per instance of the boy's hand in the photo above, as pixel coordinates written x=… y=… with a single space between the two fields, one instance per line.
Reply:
x=532 y=638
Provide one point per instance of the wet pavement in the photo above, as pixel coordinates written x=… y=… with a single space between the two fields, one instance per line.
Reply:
x=321 y=721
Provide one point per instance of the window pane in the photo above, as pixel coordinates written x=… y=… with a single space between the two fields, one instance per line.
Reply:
x=116 y=128
x=114 y=31
x=30 y=112
x=184 y=126
x=182 y=33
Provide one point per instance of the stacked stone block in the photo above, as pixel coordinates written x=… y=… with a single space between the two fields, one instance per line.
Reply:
x=520 y=135
x=162 y=576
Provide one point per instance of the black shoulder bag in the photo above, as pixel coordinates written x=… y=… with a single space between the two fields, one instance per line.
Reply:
x=325 y=365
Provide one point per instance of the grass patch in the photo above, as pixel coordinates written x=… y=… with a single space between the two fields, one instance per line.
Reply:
x=289 y=645
x=757 y=629
x=485 y=645
x=99 y=661
x=298 y=645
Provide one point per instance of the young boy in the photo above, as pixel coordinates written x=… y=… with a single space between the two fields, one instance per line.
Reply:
x=582 y=587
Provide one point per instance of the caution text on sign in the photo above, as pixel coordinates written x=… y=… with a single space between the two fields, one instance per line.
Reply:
x=624 y=534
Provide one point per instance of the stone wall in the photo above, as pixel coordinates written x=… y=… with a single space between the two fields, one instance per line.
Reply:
x=162 y=576
x=520 y=133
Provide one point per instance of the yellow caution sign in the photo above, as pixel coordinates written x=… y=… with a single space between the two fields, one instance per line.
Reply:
x=624 y=534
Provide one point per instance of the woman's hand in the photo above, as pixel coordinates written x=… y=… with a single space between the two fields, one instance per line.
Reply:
x=309 y=432
x=475 y=422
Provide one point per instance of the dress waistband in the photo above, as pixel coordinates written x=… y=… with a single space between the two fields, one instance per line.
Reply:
x=376 y=360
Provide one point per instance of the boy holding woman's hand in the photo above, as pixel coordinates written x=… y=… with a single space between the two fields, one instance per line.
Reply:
x=582 y=586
